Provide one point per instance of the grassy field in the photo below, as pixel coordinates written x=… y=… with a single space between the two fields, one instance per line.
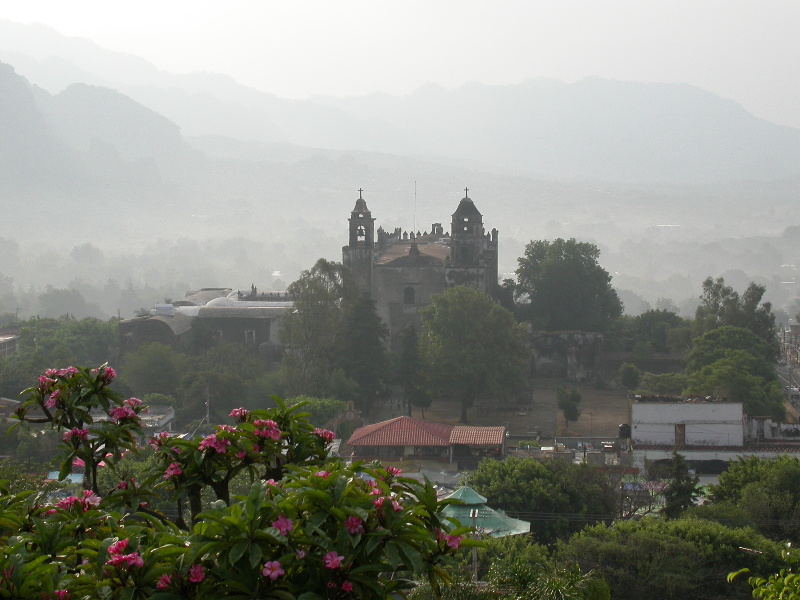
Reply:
x=601 y=412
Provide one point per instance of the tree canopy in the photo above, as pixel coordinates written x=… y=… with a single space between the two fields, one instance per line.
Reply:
x=473 y=347
x=721 y=305
x=684 y=559
x=562 y=286
x=558 y=498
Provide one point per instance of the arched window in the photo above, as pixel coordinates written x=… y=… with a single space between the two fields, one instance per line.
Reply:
x=361 y=232
x=408 y=296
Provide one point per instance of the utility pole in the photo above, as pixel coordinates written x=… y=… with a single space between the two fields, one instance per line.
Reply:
x=473 y=514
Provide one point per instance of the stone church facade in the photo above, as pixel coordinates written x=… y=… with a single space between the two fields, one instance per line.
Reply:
x=403 y=270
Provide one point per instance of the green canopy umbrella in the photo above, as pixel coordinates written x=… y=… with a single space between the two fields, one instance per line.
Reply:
x=491 y=522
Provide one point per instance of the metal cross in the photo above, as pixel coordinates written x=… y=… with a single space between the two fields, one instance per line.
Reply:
x=466 y=192
x=359 y=193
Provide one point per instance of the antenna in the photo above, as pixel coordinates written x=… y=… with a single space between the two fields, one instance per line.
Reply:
x=414 y=228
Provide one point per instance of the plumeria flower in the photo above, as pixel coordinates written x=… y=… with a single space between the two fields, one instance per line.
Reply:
x=283 y=525
x=197 y=573
x=272 y=570
x=347 y=586
x=354 y=525
x=325 y=434
x=332 y=560
x=239 y=413
x=173 y=470
x=211 y=441
x=164 y=582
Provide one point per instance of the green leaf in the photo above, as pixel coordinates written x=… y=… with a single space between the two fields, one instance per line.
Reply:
x=255 y=555
x=237 y=552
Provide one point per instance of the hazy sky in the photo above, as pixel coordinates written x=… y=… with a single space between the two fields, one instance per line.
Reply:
x=745 y=50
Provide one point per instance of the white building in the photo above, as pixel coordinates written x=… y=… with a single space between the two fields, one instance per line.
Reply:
x=705 y=431
x=689 y=423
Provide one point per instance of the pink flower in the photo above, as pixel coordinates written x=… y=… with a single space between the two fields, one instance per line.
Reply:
x=300 y=554
x=283 y=525
x=75 y=433
x=241 y=455
x=46 y=383
x=126 y=560
x=376 y=492
x=396 y=506
x=271 y=483
x=164 y=582
x=157 y=441
x=78 y=462
x=118 y=547
x=323 y=474
x=211 y=441
x=267 y=428
x=453 y=541
x=272 y=570
x=122 y=413
x=347 y=586
x=354 y=525
x=52 y=399
x=122 y=485
x=89 y=500
x=67 y=373
x=393 y=471
x=132 y=402
x=61 y=594
x=379 y=502
x=197 y=573
x=226 y=428
x=67 y=503
x=105 y=373
x=239 y=413
x=173 y=470
x=332 y=560
x=325 y=434
x=331 y=585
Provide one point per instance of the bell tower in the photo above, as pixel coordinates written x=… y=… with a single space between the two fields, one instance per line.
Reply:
x=358 y=254
x=466 y=234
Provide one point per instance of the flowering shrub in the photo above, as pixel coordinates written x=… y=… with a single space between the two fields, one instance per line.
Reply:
x=309 y=527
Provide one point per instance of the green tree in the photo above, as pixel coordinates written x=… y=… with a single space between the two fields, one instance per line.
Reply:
x=558 y=498
x=663 y=384
x=153 y=368
x=319 y=410
x=362 y=354
x=568 y=401
x=715 y=344
x=682 y=488
x=731 y=378
x=683 y=559
x=410 y=372
x=629 y=375
x=721 y=305
x=767 y=491
x=562 y=286
x=311 y=333
x=473 y=347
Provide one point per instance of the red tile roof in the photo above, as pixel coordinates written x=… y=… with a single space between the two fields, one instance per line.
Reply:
x=402 y=431
x=405 y=431
x=477 y=436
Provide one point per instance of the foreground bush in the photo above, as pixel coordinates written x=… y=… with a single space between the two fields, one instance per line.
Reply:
x=309 y=527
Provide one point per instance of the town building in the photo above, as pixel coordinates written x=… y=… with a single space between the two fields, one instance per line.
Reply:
x=404 y=437
x=212 y=315
x=403 y=270
x=704 y=431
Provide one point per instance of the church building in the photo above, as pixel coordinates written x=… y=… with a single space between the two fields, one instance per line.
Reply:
x=403 y=270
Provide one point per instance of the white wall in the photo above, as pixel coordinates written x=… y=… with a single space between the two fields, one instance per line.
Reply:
x=707 y=423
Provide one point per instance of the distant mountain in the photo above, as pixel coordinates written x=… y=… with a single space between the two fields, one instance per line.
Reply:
x=593 y=129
